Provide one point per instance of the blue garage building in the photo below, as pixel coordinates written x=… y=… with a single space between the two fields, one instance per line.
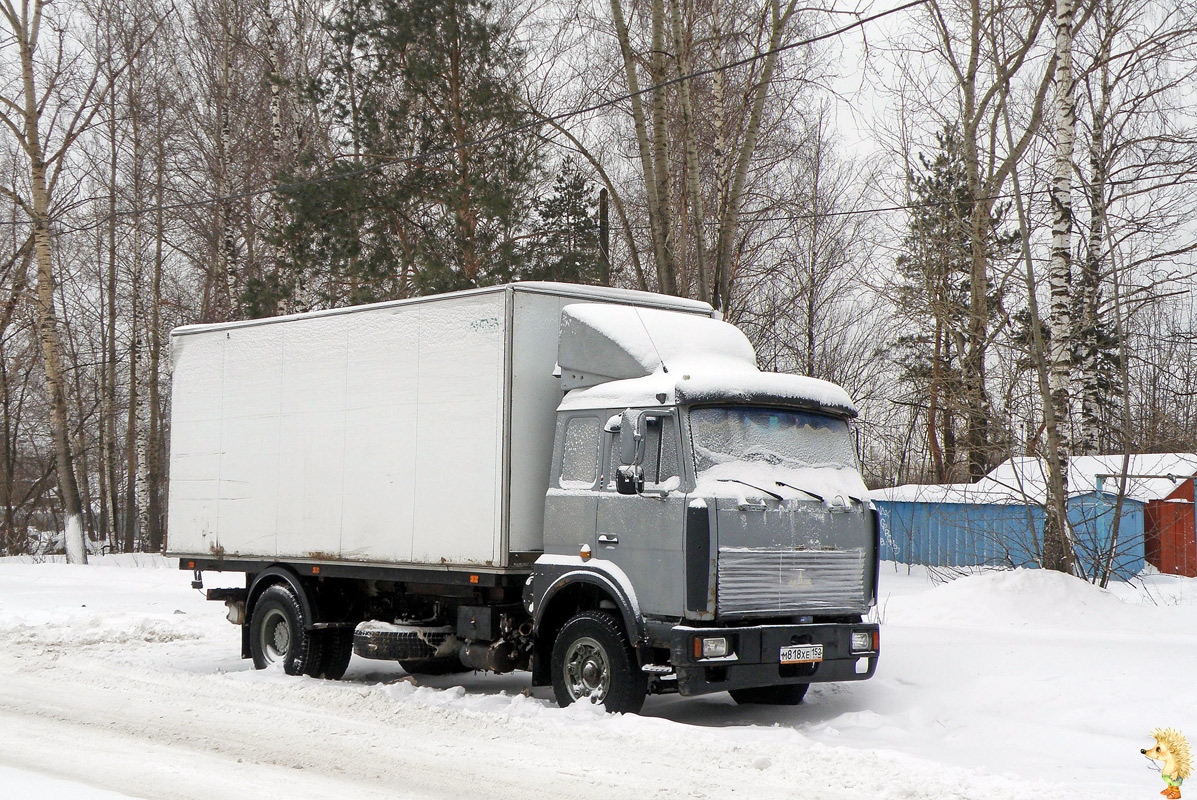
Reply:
x=998 y=521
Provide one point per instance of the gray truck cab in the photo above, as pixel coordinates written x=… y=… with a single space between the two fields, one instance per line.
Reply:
x=711 y=515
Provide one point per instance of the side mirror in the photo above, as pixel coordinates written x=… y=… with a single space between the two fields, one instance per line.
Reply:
x=629 y=480
x=631 y=437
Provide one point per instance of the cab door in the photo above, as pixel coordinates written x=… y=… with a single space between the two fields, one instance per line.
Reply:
x=571 y=505
x=643 y=533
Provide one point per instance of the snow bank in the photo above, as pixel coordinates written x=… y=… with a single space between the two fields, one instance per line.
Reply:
x=1016 y=598
x=22 y=784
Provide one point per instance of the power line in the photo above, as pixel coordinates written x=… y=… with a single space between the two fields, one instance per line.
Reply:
x=861 y=22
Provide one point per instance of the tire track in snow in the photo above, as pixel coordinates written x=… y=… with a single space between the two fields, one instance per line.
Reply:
x=237 y=734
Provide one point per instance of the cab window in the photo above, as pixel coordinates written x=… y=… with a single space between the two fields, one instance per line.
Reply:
x=580 y=453
x=661 y=462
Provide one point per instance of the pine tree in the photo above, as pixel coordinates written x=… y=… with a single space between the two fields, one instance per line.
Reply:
x=567 y=248
x=421 y=91
x=935 y=290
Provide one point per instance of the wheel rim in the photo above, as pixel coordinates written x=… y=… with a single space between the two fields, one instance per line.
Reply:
x=276 y=636
x=587 y=670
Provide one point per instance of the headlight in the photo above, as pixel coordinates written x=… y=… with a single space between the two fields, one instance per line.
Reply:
x=862 y=641
x=711 y=648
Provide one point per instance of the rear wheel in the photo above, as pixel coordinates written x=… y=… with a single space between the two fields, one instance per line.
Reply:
x=790 y=694
x=592 y=660
x=277 y=636
x=336 y=648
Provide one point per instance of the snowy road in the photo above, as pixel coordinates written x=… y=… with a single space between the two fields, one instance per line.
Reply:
x=121 y=682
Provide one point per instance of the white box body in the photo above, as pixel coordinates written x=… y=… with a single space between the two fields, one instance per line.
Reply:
x=411 y=432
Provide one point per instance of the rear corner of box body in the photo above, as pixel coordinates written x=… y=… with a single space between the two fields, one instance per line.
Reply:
x=536 y=393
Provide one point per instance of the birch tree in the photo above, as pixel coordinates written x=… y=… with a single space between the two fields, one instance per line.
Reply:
x=1057 y=549
x=1138 y=163
x=48 y=103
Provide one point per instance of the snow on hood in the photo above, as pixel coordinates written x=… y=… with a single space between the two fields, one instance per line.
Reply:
x=833 y=485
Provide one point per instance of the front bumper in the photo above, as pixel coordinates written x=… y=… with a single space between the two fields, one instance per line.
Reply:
x=756 y=661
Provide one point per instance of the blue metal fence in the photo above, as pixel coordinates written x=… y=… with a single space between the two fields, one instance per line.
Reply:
x=972 y=535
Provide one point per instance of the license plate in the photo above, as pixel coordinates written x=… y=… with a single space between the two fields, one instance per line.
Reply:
x=802 y=654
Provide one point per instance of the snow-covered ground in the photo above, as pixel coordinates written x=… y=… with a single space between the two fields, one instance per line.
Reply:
x=117 y=681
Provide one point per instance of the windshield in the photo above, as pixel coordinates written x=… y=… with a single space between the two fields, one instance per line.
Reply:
x=791 y=439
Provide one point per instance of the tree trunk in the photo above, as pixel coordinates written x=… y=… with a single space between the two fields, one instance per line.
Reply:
x=657 y=215
x=976 y=398
x=223 y=280
x=1057 y=548
x=51 y=344
x=666 y=270
x=139 y=373
x=275 y=203
x=154 y=448
x=729 y=225
x=1088 y=334
x=690 y=151
x=48 y=331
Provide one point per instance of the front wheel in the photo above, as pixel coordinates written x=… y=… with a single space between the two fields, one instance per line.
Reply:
x=592 y=660
x=789 y=694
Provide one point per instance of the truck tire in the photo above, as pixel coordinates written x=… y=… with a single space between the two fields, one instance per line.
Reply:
x=593 y=660
x=789 y=694
x=277 y=635
x=336 y=648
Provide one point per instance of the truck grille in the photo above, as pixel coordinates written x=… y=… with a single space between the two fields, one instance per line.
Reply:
x=763 y=581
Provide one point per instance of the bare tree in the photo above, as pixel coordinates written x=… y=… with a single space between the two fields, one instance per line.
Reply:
x=988 y=51
x=695 y=207
x=47 y=106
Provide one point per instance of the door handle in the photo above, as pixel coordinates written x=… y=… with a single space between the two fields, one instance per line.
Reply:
x=608 y=539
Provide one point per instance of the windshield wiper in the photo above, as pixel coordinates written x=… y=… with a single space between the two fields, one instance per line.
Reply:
x=774 y=495
x=818 y=497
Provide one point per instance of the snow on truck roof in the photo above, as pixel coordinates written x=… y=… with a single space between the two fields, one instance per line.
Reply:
x=626 y=356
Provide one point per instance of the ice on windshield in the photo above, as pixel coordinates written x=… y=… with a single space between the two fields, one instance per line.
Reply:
x=774 y=451
x=790 y=439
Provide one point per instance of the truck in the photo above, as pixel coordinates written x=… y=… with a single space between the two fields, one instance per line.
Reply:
x=595 y=485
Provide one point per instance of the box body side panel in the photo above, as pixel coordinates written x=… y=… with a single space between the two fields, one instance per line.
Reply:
x=372 y=436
